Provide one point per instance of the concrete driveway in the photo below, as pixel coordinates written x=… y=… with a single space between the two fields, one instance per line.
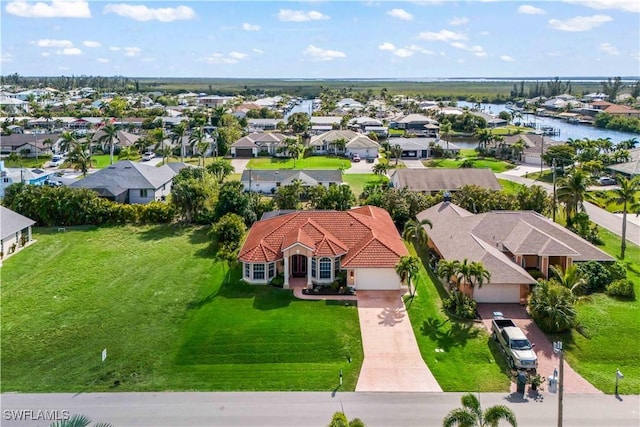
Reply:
x=547 y=359
x=392 y=360
x=239 y=165
x=361 y=167
x=413 y=164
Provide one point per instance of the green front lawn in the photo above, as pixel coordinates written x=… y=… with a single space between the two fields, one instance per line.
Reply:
x=510 y=186
x=312 y=162
x=170 y=315
x=357 y=181
x=609 y=331
x=495 y=165
x=27 y=162
x=470 y=359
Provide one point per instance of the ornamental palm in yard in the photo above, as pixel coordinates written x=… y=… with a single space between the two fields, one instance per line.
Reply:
x=572 y=191
x=110 y=137
x=407 y=268
x=472 y=415
x=552 y=307
x=626 y=196
x=414 y=230
x=570 y=278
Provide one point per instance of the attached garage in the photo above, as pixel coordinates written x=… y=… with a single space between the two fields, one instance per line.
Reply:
x=376 y=279
x=244 y=152
x=497 y=293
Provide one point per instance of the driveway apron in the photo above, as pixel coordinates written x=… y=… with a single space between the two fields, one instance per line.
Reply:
x=547 y=359
x=392 y=360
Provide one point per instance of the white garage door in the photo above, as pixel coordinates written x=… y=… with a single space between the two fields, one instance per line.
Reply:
x=377 y=279
x=497 y=293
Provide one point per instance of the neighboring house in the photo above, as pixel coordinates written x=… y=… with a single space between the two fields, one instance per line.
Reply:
x=214 y=101
x=317 y=246
x=123 y=139
x=535 y=145
x=413 y=123
x=33 y=176
x=510 y=244
x=355 y=143
x=421 y=148
x=130 y=182
x=263 y=125
x=630 y=168
x=320 y=124
x=267 y=181
x=254 y=144
x=15 y=232
x=28 y=144
x=433 y=181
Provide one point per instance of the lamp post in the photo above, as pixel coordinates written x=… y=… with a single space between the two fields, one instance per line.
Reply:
x=618 y=377
x=541 y=153
x=557 y=348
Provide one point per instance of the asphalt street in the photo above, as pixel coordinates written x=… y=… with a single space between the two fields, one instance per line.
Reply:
x=283 y=409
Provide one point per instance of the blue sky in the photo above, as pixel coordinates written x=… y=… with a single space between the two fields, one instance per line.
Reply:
x=322 y=39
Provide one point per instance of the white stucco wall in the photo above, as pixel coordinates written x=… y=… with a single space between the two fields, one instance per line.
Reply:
x=376 y=279
x=495 y=293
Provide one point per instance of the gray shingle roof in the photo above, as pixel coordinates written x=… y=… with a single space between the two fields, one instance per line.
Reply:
x=126 y=174
x=285 y=176
x=254 y=139
x=11 y=222
x=445 y=179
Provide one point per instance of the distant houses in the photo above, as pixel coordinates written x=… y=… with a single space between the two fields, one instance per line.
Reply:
x=268 y=181
x=435 y=180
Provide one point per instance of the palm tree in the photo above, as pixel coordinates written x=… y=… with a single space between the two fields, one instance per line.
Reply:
x=78 y=421
x=407 y=268
x=294 y=148
x=380 y=168
x=176 y=137
x=445 y=131
x=570 y=278
x=68 y=141
x=339 y=144
x=449 y=270
x=110 y=137
x=552 y=307
x=80 y=158
x=626 y=196
x=196 y=139
x=572 y=191
x=414 y=229
x=396 y=150
x=473 y=273
x=484 y=137
x=472 y=415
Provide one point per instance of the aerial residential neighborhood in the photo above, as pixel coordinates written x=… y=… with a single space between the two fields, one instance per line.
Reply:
x=319 y=235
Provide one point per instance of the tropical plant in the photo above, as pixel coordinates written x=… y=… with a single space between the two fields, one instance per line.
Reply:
x=552 y=307
x=407 y=268
x=625 y=195
x=472 y=415
x=621 y=288
x=473 y=273
x=109 y=137
x=573 y=190
x=467 y=164
x=177 y=134
x=396 y=151
x=78 y=421
x=448 y=270
x=339 y=419
x=220 y=169
x=67 y=141
x=571 y=278
x=380 y=168
x=80 y=158
x=294 y=148
x=445 y=132
x=415 y=230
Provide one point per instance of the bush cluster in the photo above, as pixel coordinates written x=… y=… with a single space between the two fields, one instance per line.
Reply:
x=622 y=288
x=460 y=304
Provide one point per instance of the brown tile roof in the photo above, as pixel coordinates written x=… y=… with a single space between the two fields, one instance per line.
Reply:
x=366 y=236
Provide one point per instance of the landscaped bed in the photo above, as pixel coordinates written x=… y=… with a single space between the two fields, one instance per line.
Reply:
x=312 y=162
x=170 y=315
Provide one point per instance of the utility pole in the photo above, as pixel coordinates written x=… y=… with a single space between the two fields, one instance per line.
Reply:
x=541 y=153
x=557 y=348
x=555 y=202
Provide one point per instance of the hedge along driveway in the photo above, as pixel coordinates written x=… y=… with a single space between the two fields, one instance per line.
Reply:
x=171 y=316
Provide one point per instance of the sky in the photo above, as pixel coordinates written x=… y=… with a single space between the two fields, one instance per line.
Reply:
x=321 y=39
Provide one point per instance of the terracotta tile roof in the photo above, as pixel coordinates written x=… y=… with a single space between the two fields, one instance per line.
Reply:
x=366 y=236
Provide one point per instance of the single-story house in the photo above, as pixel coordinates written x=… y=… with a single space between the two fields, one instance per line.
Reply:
x=535 y=145
x=15 y=232
x=421 y=148
x=432 y=181
x=30 y=176
x=510 y=245
x=267 y=181
x=258 y=143
x=263 y=125
x=130 y=182
x=318 y=246
x=355 y=143
x=28 y=144
x=320 y=124
x=630 y=168
x=412 y=122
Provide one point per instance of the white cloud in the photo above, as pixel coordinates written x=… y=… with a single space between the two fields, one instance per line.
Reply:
x=55 y=9
x=144 y=13
x=52 y=43
x=132 y=51
x=403 y=53
x=442 y=35
x=300 y=16
x=527 y=9
x=579 y=23
x=420 y=49
x=249 y=27
x=258 y=51
x=69 y=51
x=114 y=48
x=484 y=33
x=459 y=45
x=89 y=43
x=400 y=14
x=387 y=46
x=459 y=21
x=102 y=60
x=319 y=54
x=221 y=58
x=478 y=51
x=626 y=5
x=507 y=58
x=6 y=57
x=608 y=48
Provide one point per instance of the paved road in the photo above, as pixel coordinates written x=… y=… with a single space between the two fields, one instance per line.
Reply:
x=599 y=216
x=314 y=409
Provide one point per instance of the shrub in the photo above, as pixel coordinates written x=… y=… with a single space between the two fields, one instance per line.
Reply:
x=278 y=281
x=229 y=231
x=622 y=288
x=460 y=304
x=551 y=307
x=596 y=275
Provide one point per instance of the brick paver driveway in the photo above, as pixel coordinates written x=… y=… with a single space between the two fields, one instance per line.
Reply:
x=392 y=360
x=547 y=360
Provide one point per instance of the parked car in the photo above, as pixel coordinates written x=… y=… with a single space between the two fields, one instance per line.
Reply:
x=148 y=156
x=606 y=180
x=513 y=343
x=56 y=161
x=355 y=158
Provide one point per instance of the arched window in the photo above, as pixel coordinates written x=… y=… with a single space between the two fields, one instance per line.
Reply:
x=325 y=268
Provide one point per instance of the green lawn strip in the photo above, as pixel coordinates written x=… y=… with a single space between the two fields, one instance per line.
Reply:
x=28 y=162
x=510 y=186
x=471 y=360
x=313 y=162
x=169 y=314
x=357 y=181
x=495 y=165
x=600 y=199
x=609 y=330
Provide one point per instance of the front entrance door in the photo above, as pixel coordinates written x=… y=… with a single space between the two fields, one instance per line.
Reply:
x=299 y=266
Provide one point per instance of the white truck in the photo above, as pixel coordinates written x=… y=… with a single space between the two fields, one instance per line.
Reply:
x=514 y=343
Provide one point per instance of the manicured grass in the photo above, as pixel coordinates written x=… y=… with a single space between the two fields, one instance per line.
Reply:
x=600 y=199
x=170 y=315
x=27 y=162
x=609 y=331
x=357 y=181
x=313 y=162
x=510 y=186
x=495 y=165
x=471 y=361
